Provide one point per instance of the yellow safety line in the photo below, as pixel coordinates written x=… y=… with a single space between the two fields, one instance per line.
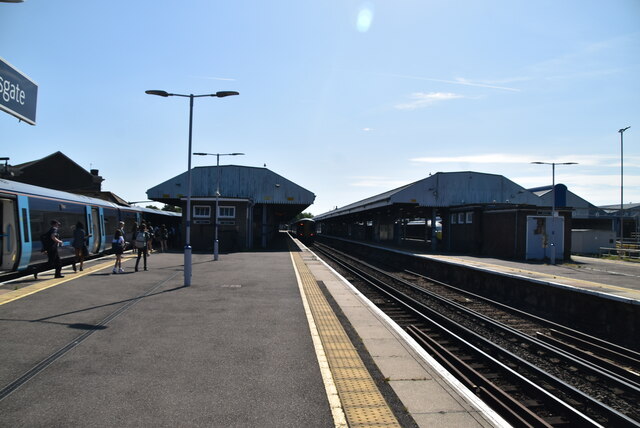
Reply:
x=361 y=399
x=48 y=283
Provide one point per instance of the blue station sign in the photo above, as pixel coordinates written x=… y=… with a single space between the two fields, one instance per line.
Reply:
x=18 y=93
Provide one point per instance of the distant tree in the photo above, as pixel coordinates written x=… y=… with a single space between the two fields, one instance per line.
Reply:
x=153 y=207
x=172 y=208
x=304 y=215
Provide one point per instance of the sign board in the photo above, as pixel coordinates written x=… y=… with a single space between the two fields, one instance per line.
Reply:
x=18 y=93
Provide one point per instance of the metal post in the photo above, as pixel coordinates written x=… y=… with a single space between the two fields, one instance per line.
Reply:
x=621 y=131
x=215 y=242
x=187 y=246
x=553 y=205
x=553 y=213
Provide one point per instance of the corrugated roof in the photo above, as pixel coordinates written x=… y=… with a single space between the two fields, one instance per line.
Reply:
x=257 y=184
x=446 y=189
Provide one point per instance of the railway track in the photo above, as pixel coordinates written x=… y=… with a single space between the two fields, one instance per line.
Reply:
x=532 y=372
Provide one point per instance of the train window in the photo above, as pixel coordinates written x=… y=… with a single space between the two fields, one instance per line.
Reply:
x=25 y=225
x=227 y=212
x=201 y=211
x=43 y=211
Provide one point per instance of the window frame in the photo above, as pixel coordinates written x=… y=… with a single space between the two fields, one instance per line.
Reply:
x=206 y=208
x=227 y=207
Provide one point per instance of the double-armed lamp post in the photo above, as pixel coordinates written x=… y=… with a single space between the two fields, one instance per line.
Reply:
x=187 y=246
x=217 y=215
x=553 y=204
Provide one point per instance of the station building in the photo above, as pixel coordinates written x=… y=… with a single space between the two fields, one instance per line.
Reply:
x=252 y=204
x=465 y=212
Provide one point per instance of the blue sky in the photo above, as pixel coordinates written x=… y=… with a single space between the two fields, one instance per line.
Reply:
x=346 y=98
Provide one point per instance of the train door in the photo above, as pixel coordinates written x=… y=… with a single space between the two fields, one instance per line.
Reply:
x=95 y=230
x=101 y=227
x=8 y=234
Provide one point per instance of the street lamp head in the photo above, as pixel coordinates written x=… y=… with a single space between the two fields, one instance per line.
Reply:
x=236 y=154
x=200 y=154
x=623 y=129
x=157 y=92
x=222 y=94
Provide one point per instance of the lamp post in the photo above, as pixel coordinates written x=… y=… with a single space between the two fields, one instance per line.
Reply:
x=217 y=155
x=553 y=204
x=187 y=246
x=621 y=131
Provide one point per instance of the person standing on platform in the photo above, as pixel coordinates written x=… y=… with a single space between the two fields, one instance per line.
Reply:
x=164 y=236
x=150 y=237
x=118 y=248
x=121 y=227
x=51 y=242
x=134 y=231
x=142 y=237
x=79 y=244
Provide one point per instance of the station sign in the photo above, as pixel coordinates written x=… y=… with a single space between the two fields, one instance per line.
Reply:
x=18 y=93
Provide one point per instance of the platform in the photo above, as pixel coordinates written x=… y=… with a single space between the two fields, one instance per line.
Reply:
x=608 y=278
x=249 y=343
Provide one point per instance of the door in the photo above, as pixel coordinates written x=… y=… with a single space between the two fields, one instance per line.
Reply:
x=95 y=230
x=8 y=235
x=545 y=235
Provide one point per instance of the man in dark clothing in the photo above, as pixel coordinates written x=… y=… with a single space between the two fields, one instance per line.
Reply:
x=52 y=248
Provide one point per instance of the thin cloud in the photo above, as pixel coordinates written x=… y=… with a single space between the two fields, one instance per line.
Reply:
x=506 y=158
x=422 y=99
x=226 y=79
x=460 y=81
x=376 y=182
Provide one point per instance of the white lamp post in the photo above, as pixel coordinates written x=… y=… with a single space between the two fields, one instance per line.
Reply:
x=553 y=204
x=621 y=131
x=217 y=155
x=187 y=246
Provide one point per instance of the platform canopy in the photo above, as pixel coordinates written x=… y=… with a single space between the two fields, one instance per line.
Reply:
x=445 y=189
x=257 y=185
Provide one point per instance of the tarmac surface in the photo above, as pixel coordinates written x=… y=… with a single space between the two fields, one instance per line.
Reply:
x=233 y=349
x=253 y=342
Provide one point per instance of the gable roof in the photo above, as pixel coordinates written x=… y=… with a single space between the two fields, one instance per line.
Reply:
x=259 y=185
x=446 y=189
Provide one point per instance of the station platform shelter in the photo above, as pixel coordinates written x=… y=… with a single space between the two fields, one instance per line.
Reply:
x=251 y=204
x=463 y=212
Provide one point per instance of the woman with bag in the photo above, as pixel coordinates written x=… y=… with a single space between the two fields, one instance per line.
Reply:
x=142 y=239
x=118 y=248
x=79 y=244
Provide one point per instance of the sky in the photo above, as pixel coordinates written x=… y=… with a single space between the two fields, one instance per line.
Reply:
x=346 y=98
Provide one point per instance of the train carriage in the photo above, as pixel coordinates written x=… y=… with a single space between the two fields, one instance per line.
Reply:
x=304 y=230
x=26 y=212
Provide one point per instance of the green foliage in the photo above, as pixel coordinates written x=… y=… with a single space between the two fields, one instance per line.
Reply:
x=304 y=215
x=171 y=208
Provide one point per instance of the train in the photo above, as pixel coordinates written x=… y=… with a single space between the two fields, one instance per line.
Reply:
x=304 y=229
x=26 y=212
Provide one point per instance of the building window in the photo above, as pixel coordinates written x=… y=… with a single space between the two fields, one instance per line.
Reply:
x=460 y=218
x=227 y=212
x=470 y=217
x=201 y=211
x=454 y=218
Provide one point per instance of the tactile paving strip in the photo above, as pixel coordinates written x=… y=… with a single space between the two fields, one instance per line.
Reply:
x=362 y=402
